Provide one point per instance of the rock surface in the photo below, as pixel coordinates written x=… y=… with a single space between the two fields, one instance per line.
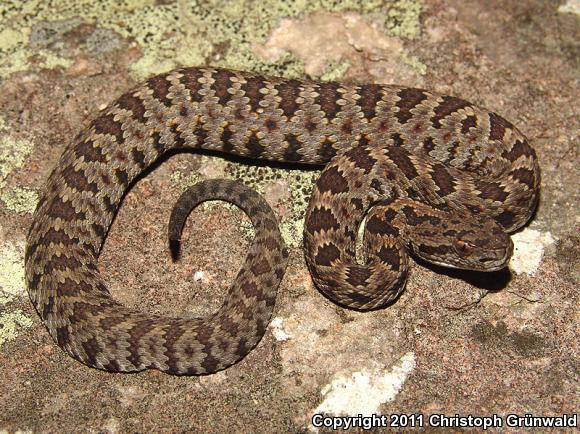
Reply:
x=454 y=343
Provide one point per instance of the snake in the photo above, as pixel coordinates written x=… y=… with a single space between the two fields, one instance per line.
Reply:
x=417 y=172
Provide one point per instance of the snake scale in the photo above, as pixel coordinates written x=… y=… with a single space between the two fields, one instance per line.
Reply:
x=432 y=175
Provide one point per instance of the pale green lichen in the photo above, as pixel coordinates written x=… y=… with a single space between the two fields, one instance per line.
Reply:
x=11 y=38
x=13 y=154
x=403 y=18
x=20 y=199
x=219 y=32
x=247 y=229
x=300 y=183
x=415 y=63
x=334 y=71
x=571 y=7
x=10 y=323
x=181 y=181
x=11 y=272
x=11 y=285
x=16 y=55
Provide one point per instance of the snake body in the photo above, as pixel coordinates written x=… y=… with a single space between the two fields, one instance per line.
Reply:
x=432 y=174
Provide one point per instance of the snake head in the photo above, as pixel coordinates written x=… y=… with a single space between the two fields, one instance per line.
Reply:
x=476 y=243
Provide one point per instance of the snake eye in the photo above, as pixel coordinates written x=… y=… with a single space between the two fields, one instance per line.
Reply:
x=463 y=246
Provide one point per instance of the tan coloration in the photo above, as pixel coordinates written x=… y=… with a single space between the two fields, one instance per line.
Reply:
x=435 y=175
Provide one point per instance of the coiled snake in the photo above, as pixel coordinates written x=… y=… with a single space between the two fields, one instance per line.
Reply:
x=434 y=175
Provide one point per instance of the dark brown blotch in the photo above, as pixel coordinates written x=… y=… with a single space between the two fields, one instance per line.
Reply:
x=210 y=363
x=452 y=152
x=250 y=289
x=326 y=150
x=98 y=229
x=160 y=86
x=222 y=83
x=48 y=307
x=376 y=185
x=56 y=237
x=506 y=219
x=468 y=123
x=370 y=95
x=136 y=333
x=70 y=288
x=254 y=146
x=251 y=90
x=61 y=263
x=106 y=124
x=327 y=99
x=357 y=203
x=497 y=126
x=190 y=80
x=415 y=219
x=201 y=134
x=400 y=157
x=358 y=298
x=122 y=176
x=109 y=204
x=357 y=275
x=78 y=180
x=332 y=180
x=442 y=179
x=178 y=140
x=380 y=226
x=243 y=347
x=62 y=336
x=138 y=157
x=391 y=256
x=434 y=251
x=270 y=124
x=65 y=210
x=524 y=176
x=133 y=104
x=491 y=191
x=171 y=336
x=33 y=283
x=327 y=254
x=397 y=140
x=362 y=158
x=294 y=145
x=112 y=366
x=321 y=219
x=428 y=144
x=409 y=98
x=260 y=267
x=520 y=148
x=289 y=91
x=157 y=143
x=449 y=105
x=346 y=127
x=226 y=139
x=271 y=243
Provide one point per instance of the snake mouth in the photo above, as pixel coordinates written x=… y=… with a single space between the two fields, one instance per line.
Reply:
x=490 y=266
x=494 y=260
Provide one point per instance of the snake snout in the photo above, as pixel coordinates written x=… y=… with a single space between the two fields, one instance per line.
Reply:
x=496 y=259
